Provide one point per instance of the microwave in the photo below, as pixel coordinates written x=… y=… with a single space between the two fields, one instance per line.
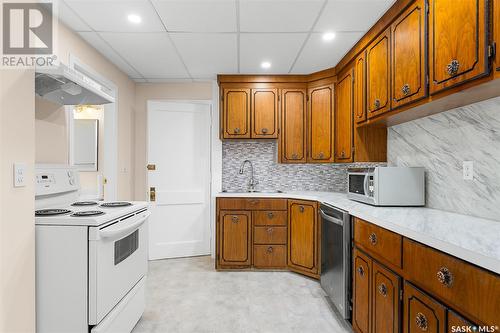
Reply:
x=387 y=186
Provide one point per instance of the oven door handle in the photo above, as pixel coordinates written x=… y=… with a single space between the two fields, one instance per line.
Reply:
x=330 y=218
x=116 y=230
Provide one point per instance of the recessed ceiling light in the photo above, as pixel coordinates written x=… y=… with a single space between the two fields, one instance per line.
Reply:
x=265 y=64
x=328 y=36
x=134 y=18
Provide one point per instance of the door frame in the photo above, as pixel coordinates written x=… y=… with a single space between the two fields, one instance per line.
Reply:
x=213 y=124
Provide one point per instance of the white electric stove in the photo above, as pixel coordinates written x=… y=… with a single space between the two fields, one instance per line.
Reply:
x=91 y=257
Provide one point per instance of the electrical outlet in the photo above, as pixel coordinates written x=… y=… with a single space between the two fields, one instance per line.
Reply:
x=468 y=170
x=19 y=175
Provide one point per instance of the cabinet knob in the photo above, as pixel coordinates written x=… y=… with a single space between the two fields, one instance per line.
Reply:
x=270 y=249
x=405 y=89
x=445 y=277
x=452 y=67
x=237 y=130
x=382 y=289
x=421 y=321
x=301 y=209
x=269 y=230
x=342 y=154
x=295 y=156
x=361 y=271
x=270 y=215
x=376 y=103
x=254 y=201
x=372 y=238
x=321 y=154
x=235 y=219
x=264 y=130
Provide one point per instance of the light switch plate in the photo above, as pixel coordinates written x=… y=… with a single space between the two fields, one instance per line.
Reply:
x=468 y=170
x=19 y=174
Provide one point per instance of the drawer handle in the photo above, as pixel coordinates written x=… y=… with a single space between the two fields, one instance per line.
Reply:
x=452 y=67
x=235 y=219
x=372 y=238
x=270 y=249
x=445 y=277
x=405 y=89
x=264 y=130
x=270 y=215
x=237 y=130
x=269 y=230
x=421 y=321
x=361 y=271
x=376 y=103
x=254 y=202
x=301 y=209
x=382 y=289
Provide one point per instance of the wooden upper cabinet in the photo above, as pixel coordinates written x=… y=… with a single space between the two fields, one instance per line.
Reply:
x=235 y=238
x=265 y=109
x=496 y=36
x=360 y=89
x=422 y=313
x=303 y=237
x=320 y=122
x=408 y=55
x=378 y=75
x=344 y=118
x=458 y=42
x=293 y=126
x=361 y=289
x=386 y=305
x=236 y=113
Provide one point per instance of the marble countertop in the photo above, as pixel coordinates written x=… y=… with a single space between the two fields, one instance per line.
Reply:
x=472 y=239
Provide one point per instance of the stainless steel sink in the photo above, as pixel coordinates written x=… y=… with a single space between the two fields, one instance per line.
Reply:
x=254 y=191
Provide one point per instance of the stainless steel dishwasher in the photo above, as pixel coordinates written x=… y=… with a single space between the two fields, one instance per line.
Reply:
x=336 y=257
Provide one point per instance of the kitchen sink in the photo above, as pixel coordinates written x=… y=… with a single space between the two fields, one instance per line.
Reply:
x=252 y=191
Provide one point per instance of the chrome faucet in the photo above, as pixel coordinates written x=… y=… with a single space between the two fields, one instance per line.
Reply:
x=252 y=181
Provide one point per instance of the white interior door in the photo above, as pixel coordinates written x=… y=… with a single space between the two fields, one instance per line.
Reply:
x=179 y=149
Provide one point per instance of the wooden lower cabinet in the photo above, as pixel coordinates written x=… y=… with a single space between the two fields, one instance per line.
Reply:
x=269 y=256
x=361 y=295
x=422 y=313
x=235 y=238
x=303 y=237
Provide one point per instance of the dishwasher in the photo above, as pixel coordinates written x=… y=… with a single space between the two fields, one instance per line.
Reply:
x=336 y=257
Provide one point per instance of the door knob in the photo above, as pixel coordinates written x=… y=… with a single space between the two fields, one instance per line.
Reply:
x=152 y=194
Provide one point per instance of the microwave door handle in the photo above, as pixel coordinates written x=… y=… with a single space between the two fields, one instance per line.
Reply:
x=365 y=184
x=112 y=232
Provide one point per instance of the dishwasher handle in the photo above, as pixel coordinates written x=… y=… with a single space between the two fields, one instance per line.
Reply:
x=330 y=218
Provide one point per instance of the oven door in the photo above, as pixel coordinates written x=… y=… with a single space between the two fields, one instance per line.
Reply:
x=118 y=258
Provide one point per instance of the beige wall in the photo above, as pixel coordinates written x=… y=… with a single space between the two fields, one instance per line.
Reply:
x=145 y=92
x=51 y=133
x=17 y=226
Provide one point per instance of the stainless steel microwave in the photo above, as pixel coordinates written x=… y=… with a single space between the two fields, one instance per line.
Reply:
x=387 y=186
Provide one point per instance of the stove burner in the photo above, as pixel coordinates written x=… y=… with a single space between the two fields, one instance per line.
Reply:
x=88 y=213
x=84 y=203
x=116 y=204
x=51 y=212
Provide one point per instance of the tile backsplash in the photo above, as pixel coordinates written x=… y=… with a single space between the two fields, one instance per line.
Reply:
x=272 y=175
x=441 y=143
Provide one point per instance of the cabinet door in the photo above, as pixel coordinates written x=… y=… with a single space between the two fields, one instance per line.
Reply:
x=235 y=238
x=265 y=113
x=378 y=75
x=236 y=114
x=303 y=236
x=361 y=287
x=320 y=125
x=422 y=313
x=360 y=89
x=343 y=118
x=496 y=36
x=293 y=126
x=386 y=303
x=455 y=320
x=408 y=55
x=457 y=42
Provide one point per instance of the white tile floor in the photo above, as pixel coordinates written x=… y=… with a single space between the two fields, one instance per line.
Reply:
x=188 y=295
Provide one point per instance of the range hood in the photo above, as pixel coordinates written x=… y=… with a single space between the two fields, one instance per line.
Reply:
x=63 y=85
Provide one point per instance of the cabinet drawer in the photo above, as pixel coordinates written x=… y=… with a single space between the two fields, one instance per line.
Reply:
x=471 y=290
x=269 y=235
x=269 y=256
x=269 y=218
x=383 y=244
x=252 y=204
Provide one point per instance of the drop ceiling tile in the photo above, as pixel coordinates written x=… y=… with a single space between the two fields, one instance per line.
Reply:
x=197 y=15
x=318 y=54
x=278 y=15
x=100 y=45
x=279 y=49
x=152 y=54
x=70 y=18
x=351 y=15
x=111 y=15
x=206 y=55
x=167 y=80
